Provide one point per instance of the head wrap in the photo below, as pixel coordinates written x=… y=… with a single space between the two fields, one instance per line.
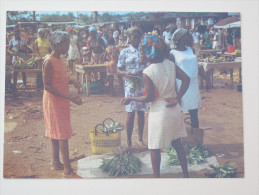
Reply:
x=69 y=28
x=92 y=29
x=58 y=37
x=133 y=30
x=178 y=35
x=154 y=47
x=41 y=30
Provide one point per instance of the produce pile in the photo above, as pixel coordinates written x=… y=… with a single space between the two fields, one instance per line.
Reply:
x=124 y=163
x=194 y=155
x=29 y=64
x=113 y=127
x=88 y=63
x=215 y=59
x=226 y=171
x=32 y=63
x=237 y=52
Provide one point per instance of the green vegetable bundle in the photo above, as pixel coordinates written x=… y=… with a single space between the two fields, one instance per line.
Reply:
x=113 y=127
x=88 y=63
x=226 y=171
x=32 y=63
x=123 y=163
x=195 y=155
x=19 y=63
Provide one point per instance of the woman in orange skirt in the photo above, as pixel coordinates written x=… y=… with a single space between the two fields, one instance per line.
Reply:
x=56 y=100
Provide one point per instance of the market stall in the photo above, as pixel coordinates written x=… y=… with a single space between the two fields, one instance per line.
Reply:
x=209 y=67
x=32 y=65
x=86 y=71
x=209 y=52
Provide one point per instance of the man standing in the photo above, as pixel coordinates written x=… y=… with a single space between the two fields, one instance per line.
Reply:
x=196 y=41
x=167 y=35
x=220 y=38
x=116 y=36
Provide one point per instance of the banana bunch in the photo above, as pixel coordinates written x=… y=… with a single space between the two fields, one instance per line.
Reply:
x=222 y=59
x=212 y=59
x=237 y=51
x=32 y=63
x=19 y=63
x=200 y=59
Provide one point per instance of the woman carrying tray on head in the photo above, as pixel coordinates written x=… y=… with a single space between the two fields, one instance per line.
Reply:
x=130 y=65
x=56 y=102
x=165 y=122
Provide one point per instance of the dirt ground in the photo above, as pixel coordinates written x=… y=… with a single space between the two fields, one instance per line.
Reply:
x=27 y=152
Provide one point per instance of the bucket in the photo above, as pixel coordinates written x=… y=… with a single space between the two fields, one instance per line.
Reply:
x=230 y=49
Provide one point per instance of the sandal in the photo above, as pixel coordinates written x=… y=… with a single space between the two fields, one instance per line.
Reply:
x=71 y=175
x=57 y=167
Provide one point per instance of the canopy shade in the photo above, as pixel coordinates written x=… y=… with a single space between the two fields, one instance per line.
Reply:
x=231 y=25
x=226 y=21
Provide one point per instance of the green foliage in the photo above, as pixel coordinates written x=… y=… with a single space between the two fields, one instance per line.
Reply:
x=195 y=155
x=85 y=18
x=13 y=17
x=106 y=17
x=226 y=171
x=113 y=127
x=57 y=17
x=32 y=63
x=25 y=16
x=124 y=163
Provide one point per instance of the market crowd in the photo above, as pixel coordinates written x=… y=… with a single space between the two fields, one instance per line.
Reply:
x=95 y=45
x=158 y=72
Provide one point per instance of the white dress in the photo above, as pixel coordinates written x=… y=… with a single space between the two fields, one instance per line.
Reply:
x=73 y=52
x=215 y=41
x=187 y=61
x=165 y=124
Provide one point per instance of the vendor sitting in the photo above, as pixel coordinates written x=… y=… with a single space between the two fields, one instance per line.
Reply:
x=18 y=49
x=96 y=46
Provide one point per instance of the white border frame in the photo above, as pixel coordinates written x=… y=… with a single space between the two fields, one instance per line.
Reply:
x=249 y=28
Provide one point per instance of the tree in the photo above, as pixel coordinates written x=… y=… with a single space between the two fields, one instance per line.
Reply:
x=57 y=18
x=106 y=17
x=85 y=18
x=13 y=17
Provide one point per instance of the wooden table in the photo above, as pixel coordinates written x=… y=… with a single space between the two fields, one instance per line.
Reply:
x=209 y=52
x=209 y=67
x=25 y=70
x=86 y=71
x=230 y=55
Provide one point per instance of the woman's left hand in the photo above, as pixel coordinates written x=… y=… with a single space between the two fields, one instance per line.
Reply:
x=77 y=100
x=126 y=101
x=171 y=102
